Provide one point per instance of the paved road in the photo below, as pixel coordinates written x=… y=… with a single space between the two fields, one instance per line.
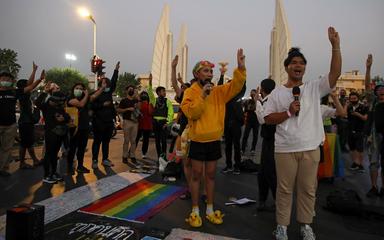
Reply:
x=240 y=222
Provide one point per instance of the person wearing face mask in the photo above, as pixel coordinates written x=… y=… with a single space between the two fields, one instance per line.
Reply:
x=162 y=117
x=357 y=115
x=103 y=117
x=128 y=108
x=56 y=130
x=145 y=123
x=204 y=106
x=8 y=128
x=78 y=99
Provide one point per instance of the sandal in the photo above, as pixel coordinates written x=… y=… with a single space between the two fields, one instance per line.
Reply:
x=25 y=166
x=194 y=220
x=216 y=217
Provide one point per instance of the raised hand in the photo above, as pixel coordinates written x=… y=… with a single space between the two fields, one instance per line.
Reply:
x=334 y=38
x=179 y=78
x=34 y=67
x=117 y=65
x=150 y=79
x=369 y=61
x=175 y=61
x=240 y=59
x=42 y=75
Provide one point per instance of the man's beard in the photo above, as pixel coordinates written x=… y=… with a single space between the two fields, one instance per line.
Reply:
x=206 y=81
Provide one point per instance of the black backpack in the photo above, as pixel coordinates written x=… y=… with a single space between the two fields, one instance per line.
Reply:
x=345 y=202
x=172 y=169
x=249 y=166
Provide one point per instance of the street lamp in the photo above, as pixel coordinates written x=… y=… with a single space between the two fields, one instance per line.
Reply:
x=86 y=14
x=70 y=57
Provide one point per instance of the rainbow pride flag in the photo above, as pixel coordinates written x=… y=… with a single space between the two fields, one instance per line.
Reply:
x=137 y=202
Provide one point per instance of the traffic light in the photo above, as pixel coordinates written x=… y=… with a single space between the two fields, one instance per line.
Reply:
x=97 y=65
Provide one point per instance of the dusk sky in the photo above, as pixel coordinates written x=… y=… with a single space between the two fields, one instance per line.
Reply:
x=44 y=30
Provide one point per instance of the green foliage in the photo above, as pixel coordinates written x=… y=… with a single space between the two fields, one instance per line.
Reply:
x=8 y=61
x=66 y=78
x=124 y=80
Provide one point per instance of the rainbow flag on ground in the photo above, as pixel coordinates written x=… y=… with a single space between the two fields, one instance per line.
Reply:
x=137 y=202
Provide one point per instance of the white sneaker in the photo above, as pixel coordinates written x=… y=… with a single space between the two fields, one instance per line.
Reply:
x=280 y=233
x=307 y=233
x=144 y=157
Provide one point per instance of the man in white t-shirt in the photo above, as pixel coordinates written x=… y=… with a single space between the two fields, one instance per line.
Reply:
x=299 y=133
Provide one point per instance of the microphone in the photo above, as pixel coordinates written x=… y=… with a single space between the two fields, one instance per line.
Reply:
x=296 y=95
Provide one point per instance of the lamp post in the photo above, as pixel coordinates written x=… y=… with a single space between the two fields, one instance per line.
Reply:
x=86 y=14
x=70 y=57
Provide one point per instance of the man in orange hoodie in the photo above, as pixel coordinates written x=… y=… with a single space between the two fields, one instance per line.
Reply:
x=204 y=106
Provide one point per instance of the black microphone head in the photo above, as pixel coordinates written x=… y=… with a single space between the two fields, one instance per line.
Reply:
x=296 y=91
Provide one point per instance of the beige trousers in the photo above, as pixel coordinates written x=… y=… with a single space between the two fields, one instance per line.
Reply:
x=7 y=138
x=130 y=133
x=298 y=168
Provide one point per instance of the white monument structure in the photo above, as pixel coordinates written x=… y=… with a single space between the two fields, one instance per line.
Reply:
x=280 y=45
x=162 y=54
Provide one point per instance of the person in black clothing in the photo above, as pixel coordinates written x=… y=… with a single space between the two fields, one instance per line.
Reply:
x=342 y=122
x=56 y=130
x=232 y=132
x=8 y=128
x=267 y=173
x=251 y=123
x=103 y=117
x=357 y=115
x=78 y=99
x=27 y=119
x=129 y=108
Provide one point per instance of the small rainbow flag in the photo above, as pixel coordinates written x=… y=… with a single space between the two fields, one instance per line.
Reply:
x=137 y=202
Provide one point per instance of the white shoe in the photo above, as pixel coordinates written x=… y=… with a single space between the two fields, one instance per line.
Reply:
x=306 y=232
x=144 y=157
x=280 y=233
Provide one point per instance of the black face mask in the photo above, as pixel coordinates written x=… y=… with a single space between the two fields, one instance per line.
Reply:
x=131 y=92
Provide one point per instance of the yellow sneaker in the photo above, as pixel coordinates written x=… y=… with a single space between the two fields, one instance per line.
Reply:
x=216 y=217
x=194 y=220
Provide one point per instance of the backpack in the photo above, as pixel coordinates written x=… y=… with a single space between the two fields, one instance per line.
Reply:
x=172 y=169
x=345 y=201
x=249 y=166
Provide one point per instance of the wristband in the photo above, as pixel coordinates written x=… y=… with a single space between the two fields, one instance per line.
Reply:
x=289 y=113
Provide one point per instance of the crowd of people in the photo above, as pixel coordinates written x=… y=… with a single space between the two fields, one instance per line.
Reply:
x=293 y=119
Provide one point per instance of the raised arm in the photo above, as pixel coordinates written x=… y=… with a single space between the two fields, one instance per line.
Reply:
x=96 y=94
x=335 y=69
x=32 y=76
x=368 y=66
x=173 y=76
x=115 y=76
x=340 y=110
x=30 y=87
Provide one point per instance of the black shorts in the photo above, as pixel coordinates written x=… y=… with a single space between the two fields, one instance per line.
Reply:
x=208 y=151
x=356 y=141
x=27 y=135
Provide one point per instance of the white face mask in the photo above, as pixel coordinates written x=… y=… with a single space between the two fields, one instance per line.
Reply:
x=77 y=92
x=6 y=84
x=107 y=89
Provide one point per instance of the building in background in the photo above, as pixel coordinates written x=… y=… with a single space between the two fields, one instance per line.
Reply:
x=351 y=81
x=280 y=45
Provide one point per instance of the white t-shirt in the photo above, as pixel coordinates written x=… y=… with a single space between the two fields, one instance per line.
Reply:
x=304 y=132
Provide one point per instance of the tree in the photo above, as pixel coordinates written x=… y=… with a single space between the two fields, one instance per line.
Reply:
x=8 y=61
x=124 y=80
x=66 y=78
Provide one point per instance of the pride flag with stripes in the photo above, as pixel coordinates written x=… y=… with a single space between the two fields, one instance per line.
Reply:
x=137 y=202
